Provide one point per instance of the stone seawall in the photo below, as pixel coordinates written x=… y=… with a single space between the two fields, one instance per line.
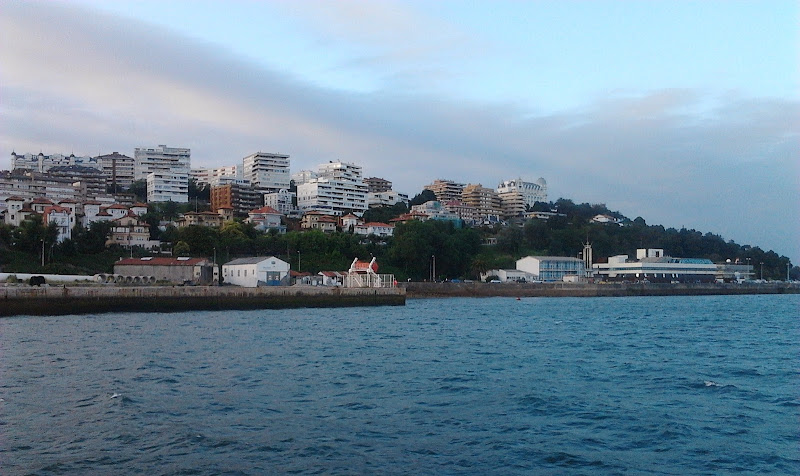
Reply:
x=59 y=300
x=422 y=290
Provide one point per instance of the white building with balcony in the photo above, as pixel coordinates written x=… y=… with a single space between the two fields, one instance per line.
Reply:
x=166 y=170
x=339 y=188
x=266 y=171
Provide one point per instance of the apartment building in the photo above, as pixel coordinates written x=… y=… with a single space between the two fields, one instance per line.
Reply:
x=119 y=169
x=445 y=190
x=484 y=200
x=240 y=198
x=266 y=171
x=166 y=170
x=518 y=196
x=339 y=188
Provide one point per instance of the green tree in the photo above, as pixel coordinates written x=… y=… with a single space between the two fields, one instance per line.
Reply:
x=181 y=248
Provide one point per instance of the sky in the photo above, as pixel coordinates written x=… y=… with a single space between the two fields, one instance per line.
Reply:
x=686 y=113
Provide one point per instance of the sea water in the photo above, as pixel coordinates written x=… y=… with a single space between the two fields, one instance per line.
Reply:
x=641 y=385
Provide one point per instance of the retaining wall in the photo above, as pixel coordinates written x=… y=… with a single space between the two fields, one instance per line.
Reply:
x=423 y=289
x=55 y=300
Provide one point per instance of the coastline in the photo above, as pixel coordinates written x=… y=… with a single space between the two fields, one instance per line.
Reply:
x=64 y=300
x=449 y=289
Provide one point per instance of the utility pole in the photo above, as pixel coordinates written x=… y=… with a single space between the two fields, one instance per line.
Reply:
x=42 y=252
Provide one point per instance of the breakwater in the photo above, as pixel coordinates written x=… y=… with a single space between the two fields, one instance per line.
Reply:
x=448 y=289
x=59 y=300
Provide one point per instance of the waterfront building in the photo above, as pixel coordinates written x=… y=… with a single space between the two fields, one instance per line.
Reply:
x=484 y=200
x=166 y=170
x=266 y=171
x=338 y=189
x=652 y=265
x=603 y=219
x=119 y=169
x=445 y=190
x=171 y=270
x=553 y=268
x=240 y=198
x=508 y=275
x=256 y=271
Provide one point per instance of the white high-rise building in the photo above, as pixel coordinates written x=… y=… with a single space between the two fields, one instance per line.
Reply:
x=268 y=172
x=166 y=170
x=339 y=188
x=220 y=175
x=517 y=195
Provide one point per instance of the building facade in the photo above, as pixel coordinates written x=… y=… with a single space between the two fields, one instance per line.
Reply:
x=119 y=169
x=166 y=170
x=553 y=268
x=257 y=271
x=266 y=171
x=240 y=198
x=484 y=200
x=652 y=265
x=338 y=189
x=445 y=190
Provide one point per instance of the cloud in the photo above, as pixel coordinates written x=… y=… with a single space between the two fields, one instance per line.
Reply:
x=76 y=80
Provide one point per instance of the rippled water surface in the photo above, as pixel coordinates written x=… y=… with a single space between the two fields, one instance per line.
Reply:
x=646 y=385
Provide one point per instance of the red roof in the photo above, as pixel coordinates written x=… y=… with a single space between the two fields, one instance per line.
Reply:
x=375 y=224
x=41 y=200
x=158 y=261
x=19 y=199
x=265 y=209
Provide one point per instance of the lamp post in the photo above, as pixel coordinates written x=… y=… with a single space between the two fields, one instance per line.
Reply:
x=42 y=252
x=215 y=268
x=433 y=272
x=762 y=270
x=298 y=261
x=749 y=269
x=787 y=271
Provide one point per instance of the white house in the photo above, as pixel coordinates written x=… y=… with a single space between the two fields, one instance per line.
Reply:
x=509 y=275
x=257 y=271
x=374 y=228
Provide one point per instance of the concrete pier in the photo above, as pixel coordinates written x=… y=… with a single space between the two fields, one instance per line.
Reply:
x=59 y=300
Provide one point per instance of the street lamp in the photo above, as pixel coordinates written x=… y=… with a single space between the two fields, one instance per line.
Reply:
x=298 y=261
x=433 y=273
x=762 y=270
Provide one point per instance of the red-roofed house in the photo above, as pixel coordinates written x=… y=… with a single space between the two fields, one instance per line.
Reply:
x=266 y=218
x=129 y=231
x=63 y=219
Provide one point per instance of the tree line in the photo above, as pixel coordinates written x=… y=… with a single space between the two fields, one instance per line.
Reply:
x=418 y=250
